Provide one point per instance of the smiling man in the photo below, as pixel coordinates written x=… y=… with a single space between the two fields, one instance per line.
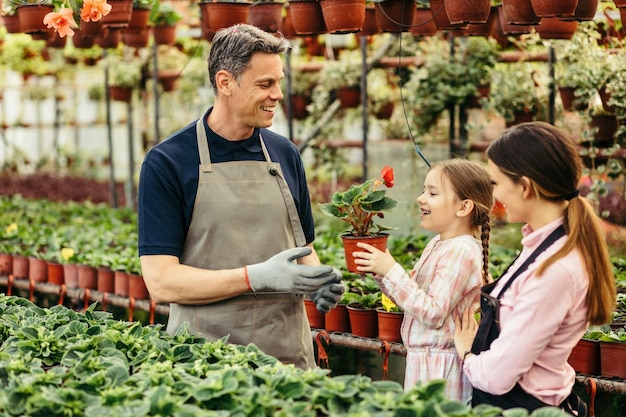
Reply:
x=224 y=212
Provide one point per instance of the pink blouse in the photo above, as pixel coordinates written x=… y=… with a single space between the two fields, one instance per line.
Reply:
x=542 y=318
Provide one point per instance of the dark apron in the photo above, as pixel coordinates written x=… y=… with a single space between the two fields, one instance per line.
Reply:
x=489 y=330
x=244 y=214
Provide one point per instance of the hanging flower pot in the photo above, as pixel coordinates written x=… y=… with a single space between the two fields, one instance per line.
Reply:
x=286 y=24
x=482 y=29
x=552 y=8
x=316 y=319
x=349 y=96
x=299 y=103
x=307 y=17
x=224 y=14
x=119 y=93
x=423 y=23
x=350 y=246
x=111 y=38
x=555 y=28
x=31 y=20
x=569 y=100
x=343 y=16
x=266 y=15
x=82 y=40
x=164 y=34
x=92 y=28
x=55 y=41
x=370 y=24
x=395 y=16
x=605 y=127
x=521 y=116
x=120 y=14
x=139 y=39
x=338 y=319
x=440 y=16
x=138 y=19
x=519 y=12
x=585 y=11
x=12 y=23
x=363 y=322
x=167 y=79
x=389 y=325
x=467 y=11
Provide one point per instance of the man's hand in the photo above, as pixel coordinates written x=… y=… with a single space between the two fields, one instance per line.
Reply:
x=280 y=273
x=327 y=297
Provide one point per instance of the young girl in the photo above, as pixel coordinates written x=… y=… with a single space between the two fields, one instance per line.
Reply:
x=545 y=305
x=446 y=280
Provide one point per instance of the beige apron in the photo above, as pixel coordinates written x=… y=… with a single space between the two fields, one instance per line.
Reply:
x=244 y=214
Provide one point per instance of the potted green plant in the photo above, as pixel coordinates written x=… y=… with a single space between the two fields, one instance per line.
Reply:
x=343 y=77
x=164 y=18
x=124 y=75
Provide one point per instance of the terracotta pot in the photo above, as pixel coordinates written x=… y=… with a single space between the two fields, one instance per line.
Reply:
x=121 y=283
x=585 y=357
x=349 y=97
x=338 y=319
x=20 y=266
x=167 y=79
x=552 y=8
x=475 y=102
x=613 y=359
x=139 y=39
x=555 y=28
x=87 y=277
x=395 y=16
x=307 y=17
x=605 y=126
x=92 y=28
x=31 y=19
x=521 y=117
x=6 y=264
x=70 y=274
x=343 y=16
x=568 y=99
x=468 y=11
x=585 y=10
x=316 y=319
x=266 y=15
x=225 y=14
x=55 y=41
x=363 y=322
x=389 y=325
x=370 y=24
x=37 y=269
x=137 y=287
x=12 y=23
x=207 y=32
x=482 y=29
x=82 y=40
x=286 y=24
x=349 y=246
x=385 y=111
x=423 y=23
x=120 y=14
x=120 y=93
x=299 y=102
x=55 y=273
x=111 y=38
x=519 y=12
x=164 y=35
x=440 y=16
x=106 y=280
x=138 y=19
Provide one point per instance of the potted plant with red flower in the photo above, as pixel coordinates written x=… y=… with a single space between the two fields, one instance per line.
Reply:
x=359 y=206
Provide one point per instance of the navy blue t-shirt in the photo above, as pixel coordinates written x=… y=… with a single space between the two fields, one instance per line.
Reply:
x=169 y=180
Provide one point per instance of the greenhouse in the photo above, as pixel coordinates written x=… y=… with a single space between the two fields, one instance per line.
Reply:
x=148 y=148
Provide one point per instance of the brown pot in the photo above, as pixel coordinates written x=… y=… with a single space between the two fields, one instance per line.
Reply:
x=225 y=14
x=349 y=246
x=87 y=277
x=395 y=16
x=111 y=38
x=137 y=287
x=70 y=274
x=363 y=322
x=164 y=35
x=482 y=29
x=167 y=79
x=307 y=17
x=468 y=11
x=121 y=283
x=6 y=264
x=55 y=41
x=138 y=19
x=299 y=103
x=20 y=266
x=440 y=16
x=568 y=99
x=82 y=40
x=552 y=8
x=585 y=357
x=385 y=111
x=585 y=11
x=207 y=33
x=31 y=20
x=338 y=319
x=12 y=23
x=55 y=273
x=521 y=117
x=120 y=93
x=343 y=16
x=389 y=325
x=316 y=319
x=266 y=15
x=423 y=23
x=519 y=12
x=92 y=28
x=37 y=269
x=349 y=97
x=613 y=359
x=555 y=28
x=106 y=280
x=370 y=24
x=139 y=39
x=286 y=24
x=120 y=14
x=605 y=126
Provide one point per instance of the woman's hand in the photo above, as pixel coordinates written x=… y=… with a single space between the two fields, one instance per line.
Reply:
x=373 y=260
x=465 y=328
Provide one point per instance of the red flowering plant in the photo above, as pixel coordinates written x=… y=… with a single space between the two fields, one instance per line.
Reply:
x=361 y=203
x=68 y=12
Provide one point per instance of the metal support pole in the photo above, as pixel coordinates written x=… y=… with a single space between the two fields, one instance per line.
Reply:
x=364 y=71
x=452 y=111
x=131 y=192
x=112 y=187
x=288 y=101
x=155 y=91
x=552 y=93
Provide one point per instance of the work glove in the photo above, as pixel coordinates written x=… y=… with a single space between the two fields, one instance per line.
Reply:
x=280 y=273
x=327 y=297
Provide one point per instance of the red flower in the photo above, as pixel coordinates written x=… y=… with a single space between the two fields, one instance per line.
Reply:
x=387 y=174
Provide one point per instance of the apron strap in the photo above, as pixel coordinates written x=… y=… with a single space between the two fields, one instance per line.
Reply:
x=203 y=146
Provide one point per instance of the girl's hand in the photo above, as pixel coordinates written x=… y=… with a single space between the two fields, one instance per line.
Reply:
x=465 y=330
x=373 y=260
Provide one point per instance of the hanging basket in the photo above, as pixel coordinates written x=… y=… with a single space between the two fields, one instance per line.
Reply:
x=138 y=19
x=519 y=12
x=343 y=16
x=555 y=28
x=467 y=11
x=31 y=20
x=307 y=17
x=423 y=23
x=120 y=14
x=552 y=8
x=164 y=35
x=167 y=80
x=224 y=14
x=395 y=16
x=266 y=15
x=118 y=93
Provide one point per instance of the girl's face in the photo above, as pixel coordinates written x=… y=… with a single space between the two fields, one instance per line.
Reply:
x=509 y=193
x=439 y=205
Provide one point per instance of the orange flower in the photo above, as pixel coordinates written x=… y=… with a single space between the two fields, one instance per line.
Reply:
x=387 y=174
x=62 y=22
x=94 y=10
